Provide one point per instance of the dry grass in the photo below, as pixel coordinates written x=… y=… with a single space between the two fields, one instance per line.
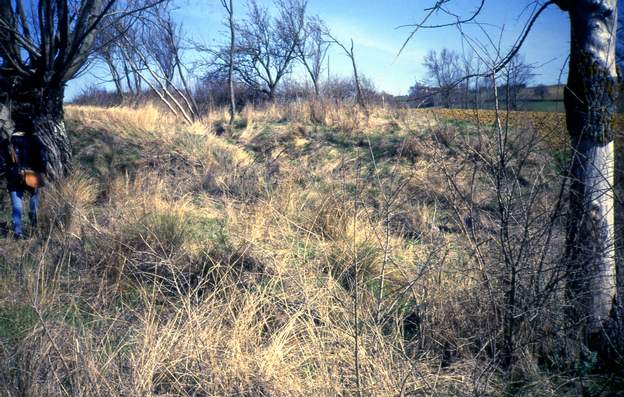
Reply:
x=175 y=262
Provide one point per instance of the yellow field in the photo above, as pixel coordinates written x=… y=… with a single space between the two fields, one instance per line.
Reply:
x=552 y=125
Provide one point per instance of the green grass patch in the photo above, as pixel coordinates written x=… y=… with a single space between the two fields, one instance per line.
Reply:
x=461 y=124
x=16 y=321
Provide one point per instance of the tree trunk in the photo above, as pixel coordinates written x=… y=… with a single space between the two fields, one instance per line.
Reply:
x=231 y=61
x=356 y=77
x=446 y=97
x=128 y=80
x=271 y=94
x=108 y=60
x=317 y=91
x=590 y=113
x=45 y=108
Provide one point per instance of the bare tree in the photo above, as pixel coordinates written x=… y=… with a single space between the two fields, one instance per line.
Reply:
x=467 y=65
x=590 y=102
x=517 y=74
x=40 y=51
x=350 y=52
x=107 y=52
x=444 y=71
x=134 y=83
x=161 y=41
x=228 y=5
x=312 y=50
x=339 y=89
x=172 y=35
x=154 y=56
x=6 y=124
x=266 y=46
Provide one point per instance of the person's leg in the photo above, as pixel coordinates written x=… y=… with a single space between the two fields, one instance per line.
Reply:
x=16 y=215
x=33 y=205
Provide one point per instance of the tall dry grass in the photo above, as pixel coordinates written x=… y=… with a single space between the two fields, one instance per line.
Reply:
x=177 y=262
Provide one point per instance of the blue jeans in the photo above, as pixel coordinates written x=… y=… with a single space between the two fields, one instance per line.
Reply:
x=16 y=205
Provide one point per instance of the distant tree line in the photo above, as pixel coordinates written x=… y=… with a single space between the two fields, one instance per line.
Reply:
x=455 y=80
x=147 y=57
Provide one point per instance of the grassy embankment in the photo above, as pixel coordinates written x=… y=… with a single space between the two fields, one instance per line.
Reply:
x=176 y=262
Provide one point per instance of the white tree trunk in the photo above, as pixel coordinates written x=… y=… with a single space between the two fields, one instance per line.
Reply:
x=590 y=112
x=593 y=263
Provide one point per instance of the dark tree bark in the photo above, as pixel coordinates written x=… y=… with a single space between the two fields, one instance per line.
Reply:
x=35 y=68
x=50 y=127
x=43 y=104
x=590 y=102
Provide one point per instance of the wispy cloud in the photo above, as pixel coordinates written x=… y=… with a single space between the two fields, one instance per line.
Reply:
x=387 y=42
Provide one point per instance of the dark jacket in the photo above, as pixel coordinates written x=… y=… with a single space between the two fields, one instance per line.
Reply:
x=31 y=154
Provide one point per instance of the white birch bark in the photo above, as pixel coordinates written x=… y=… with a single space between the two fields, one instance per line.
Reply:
x=590 y=112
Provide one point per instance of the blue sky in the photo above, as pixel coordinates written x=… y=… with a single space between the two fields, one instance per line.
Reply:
x=373 y=27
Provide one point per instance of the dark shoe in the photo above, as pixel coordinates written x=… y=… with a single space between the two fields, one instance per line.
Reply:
x=19 y=237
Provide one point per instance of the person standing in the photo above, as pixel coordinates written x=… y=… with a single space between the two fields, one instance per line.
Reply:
x=23 y=159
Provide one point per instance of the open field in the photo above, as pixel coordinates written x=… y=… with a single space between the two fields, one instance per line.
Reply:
x=534 y=105
x=303 y=252
x=551 y=125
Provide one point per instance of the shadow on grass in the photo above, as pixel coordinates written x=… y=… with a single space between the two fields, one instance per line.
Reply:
x=4 y=229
